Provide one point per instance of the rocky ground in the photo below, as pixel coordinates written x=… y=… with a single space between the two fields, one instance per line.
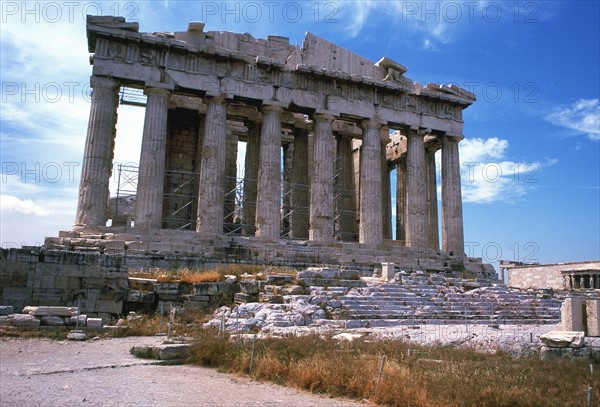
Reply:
x=36 y=372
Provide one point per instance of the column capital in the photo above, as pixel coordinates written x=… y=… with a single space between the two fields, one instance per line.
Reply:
x=453 y=137
x=373 y=124
x=217 y=100
x=323 y=116
x=103 y=82
x=153 y=90
x=417 y=131
x=273 y=106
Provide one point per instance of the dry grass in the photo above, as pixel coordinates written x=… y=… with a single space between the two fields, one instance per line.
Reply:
x=436 y=376
x=211 y=274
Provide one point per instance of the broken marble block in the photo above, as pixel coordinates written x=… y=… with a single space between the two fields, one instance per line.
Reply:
x=563 y=339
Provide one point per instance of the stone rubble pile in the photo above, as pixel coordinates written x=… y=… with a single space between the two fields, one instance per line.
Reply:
x=47 y=316
x=337 y=298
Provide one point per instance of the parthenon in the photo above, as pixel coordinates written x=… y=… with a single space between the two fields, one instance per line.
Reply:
x=323 y=128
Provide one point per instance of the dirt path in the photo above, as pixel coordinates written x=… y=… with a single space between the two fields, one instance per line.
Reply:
x=104 y=373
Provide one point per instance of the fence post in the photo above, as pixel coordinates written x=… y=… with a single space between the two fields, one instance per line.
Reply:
x=589 y=397
x=252 y=354
x=380 y=372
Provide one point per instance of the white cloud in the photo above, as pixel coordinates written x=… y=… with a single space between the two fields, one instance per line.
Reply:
x=27 y=206
x=583 y=116
x=488 y=176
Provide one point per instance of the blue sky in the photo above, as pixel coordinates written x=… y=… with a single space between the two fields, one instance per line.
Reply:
x=530 y=158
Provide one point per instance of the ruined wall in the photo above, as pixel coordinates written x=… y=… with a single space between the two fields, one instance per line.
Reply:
x=545 y=276
x=30 y=276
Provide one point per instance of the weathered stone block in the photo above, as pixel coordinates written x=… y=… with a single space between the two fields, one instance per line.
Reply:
x=329 y=273
x=249 y=287
x=172 y=352
x=388 y=271
x=243 y=298
x=94 y=322
x=163 y=289
x=279 y=279
x=25 y=320
x=270 y=298
x=110 y=307
x=145 y=297
x=593 y=317
x=563 y=339
x=82 y=320
x=52 y=320
x=94 y=282
x=6 y=310
x=571 y=314
x=206 y=288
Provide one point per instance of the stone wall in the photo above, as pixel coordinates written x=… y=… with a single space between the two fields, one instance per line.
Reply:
x=31 y=276
x=545 y=276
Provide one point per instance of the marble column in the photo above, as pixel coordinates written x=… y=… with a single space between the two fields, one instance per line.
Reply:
x=345 y=202
x=452 y=218
x=321 y=185
x=98 y=154
x=386 y=194
x=268 y=210
x=416 y=212
x=370 y=228
x=401 y=199
x=433 y=237
x=212 y=168
x=251 y=177
x=151 y=178
x=299 y=220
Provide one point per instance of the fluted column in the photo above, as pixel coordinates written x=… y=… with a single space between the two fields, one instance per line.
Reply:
x=268 y=215
x=98 y=154
x=251 y=177
x=321 y=186
x=212 y=169
x=299 y=220
x=151 y=178
x=401 y=199
x=370 y=230
x=386 y=194
x=416 y=219
x=432 y=209
x=452 y=218
x=345 y=202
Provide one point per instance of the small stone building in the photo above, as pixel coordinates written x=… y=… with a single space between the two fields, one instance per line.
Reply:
x=583 y=275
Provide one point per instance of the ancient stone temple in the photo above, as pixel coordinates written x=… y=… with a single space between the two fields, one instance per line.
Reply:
x=323 y=128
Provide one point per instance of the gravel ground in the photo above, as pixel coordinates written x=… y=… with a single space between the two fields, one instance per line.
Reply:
x=40 y=372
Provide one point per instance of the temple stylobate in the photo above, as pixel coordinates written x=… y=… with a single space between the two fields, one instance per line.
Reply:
x=322 y=129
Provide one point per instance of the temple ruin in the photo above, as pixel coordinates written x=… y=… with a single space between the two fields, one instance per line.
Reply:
x=322 y=127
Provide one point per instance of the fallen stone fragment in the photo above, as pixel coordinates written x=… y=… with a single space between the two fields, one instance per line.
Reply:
x=25 y=320
x=94 y=322
x=173 y=351
x=52 y=320
x=563 y=339
x=6 y=310
x=76 y=335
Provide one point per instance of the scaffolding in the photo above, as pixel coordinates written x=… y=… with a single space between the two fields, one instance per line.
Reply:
x=179 y=200
x=123 y=205
x=180 y=203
